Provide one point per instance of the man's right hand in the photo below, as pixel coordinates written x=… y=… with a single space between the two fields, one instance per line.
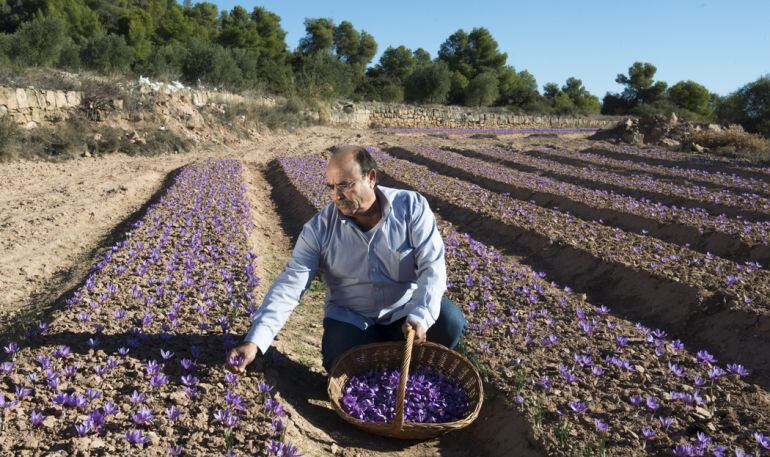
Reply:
x=242 y=355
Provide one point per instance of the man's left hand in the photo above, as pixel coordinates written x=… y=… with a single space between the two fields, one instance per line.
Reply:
x=419 y=331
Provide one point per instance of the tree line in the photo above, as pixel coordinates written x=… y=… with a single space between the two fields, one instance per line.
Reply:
x=239 y=50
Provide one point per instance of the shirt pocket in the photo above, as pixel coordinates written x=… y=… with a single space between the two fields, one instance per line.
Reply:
x=402 y=265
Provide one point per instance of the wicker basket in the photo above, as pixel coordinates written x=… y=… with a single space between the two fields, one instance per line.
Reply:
x=392 y=354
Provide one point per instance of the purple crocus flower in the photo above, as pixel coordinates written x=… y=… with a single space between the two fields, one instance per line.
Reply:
x=652 y=403
x=36 y=418
x=578 y=407
x=705 y=358
x=763 y=440
x=135 y=437
x=143 y=416
x=738 y=369
x=173 y=413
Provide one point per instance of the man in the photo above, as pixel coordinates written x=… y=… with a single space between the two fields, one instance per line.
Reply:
x=382 y=259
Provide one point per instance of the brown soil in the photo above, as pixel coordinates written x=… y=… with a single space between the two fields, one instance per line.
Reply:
x=57 y=219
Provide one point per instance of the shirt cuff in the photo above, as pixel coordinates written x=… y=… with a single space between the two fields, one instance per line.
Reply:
x=421 y=315
x=261 y=336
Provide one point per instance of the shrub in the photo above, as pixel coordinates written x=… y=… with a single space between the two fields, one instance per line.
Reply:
x=749 y=106
x=323 y=76
x=735 y=143
x=38 y=42
x=482 y=90
x=107 y=54
x=210 y=64
x=428 y=83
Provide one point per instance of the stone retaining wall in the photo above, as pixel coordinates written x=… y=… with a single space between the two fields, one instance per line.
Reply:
x=364 y=115
x=25 y=106
x=30 y=107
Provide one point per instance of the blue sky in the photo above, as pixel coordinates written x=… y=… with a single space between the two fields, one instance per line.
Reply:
x=720 y=44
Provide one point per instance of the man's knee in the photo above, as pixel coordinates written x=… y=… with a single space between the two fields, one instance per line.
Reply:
x=450 y=325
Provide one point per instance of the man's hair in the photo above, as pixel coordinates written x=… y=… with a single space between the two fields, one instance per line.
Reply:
x=362 y=156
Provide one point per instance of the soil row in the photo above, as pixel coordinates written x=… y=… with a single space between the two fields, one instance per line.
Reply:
x=571 y=368
x=675 y=174
x=666 y=158
x=134 y=359
x=729 y=238
x=673 y=196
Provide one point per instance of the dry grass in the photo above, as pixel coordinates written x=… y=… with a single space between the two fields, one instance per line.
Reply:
x=735 y=143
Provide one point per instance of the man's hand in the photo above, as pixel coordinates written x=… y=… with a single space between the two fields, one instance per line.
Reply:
x=419 y=331
x=240 y=357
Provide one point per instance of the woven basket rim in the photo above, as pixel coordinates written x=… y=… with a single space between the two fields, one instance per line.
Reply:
x=387 y=426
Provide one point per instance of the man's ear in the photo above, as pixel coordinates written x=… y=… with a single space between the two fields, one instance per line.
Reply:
x=373 y=176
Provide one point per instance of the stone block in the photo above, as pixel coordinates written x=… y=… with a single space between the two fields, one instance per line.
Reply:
x=21 y=99
x=50 y=99
x=61 y=99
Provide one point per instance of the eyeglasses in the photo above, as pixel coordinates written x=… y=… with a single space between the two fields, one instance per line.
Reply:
x=341 y=187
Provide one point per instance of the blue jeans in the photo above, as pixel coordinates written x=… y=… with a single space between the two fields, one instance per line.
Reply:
x=340 y=336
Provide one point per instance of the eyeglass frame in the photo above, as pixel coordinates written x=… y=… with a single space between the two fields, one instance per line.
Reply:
x=343 y=186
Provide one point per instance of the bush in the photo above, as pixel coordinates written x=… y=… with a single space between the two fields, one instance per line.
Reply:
x=482 y=90
x=107 y=54
x=9 y=131
x=691 y=96
x=323 y=76
x=38 y=42
x=749 y=106
x=164 y=62
x=735 y=143
x=210 y=64
x=428 y=83
x=664 y=108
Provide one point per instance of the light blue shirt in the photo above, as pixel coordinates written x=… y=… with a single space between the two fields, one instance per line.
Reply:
x=399 y=271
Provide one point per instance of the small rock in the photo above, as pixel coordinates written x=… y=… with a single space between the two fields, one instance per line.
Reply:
x=670 y=143
x=697 y=148
x=154 y=438
x=714 y=128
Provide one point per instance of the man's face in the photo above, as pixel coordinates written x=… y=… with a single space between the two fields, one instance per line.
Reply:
x=352 y=193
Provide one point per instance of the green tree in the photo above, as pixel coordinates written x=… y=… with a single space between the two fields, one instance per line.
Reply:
x=322 y=75
x=749 y=106
x=582 y=100
x=107 y=54
x=691 y=96
x=203 y=19
x=81 y=21
x=640 y=84
x=428 y=83
x=319 y=36
x=345 y=39
x=550 y=90
x=38 y=42
x=421 y=56
x=173 y=25
x=482 y=90
x=211 y=64
x=473 y=53
x=137 y=28
x=397 y=63
x=518 y=89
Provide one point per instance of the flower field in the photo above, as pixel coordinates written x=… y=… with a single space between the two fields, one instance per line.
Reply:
x=725 y=236
x=588 y=381
x=133 y=364
x=617 y=301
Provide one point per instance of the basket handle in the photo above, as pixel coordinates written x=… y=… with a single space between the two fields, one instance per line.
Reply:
x=401 y=394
